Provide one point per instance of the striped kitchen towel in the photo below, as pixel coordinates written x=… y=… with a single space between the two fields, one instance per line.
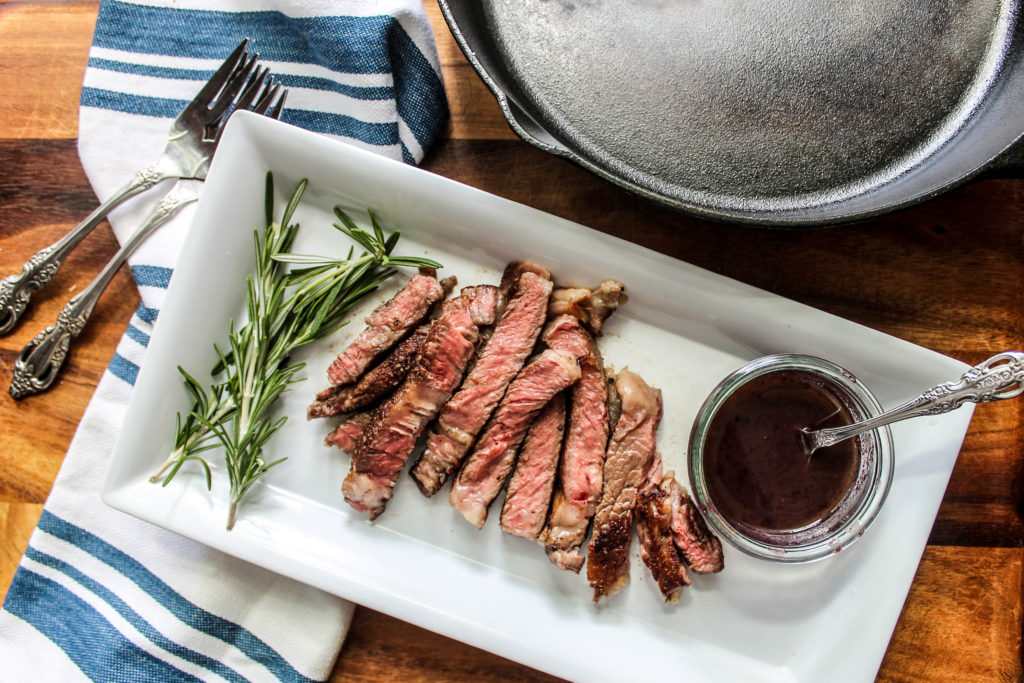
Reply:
x=100 y=595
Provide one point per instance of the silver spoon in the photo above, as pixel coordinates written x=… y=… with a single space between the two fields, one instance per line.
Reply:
x=1001 y=376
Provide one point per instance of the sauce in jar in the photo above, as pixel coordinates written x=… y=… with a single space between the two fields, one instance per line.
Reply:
x=757 y=470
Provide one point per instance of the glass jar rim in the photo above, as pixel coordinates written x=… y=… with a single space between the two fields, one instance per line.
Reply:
x=844 y=525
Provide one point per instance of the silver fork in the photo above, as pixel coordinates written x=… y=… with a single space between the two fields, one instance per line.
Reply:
x=187 y=155
x=39 y=363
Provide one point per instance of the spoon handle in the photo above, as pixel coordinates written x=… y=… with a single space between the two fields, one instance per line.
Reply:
x=1001 y=376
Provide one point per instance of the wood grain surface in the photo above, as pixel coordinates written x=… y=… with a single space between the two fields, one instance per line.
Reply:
x=948 y=275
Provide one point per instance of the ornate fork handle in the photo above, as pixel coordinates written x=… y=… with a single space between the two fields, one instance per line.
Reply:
x=15 y=290
x=39 y=363
x=239 y=84
x=999 y=377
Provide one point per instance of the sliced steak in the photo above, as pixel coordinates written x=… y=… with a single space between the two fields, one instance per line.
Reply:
x=630 y=452
x=483 y=475
x=579 y=480
x=398 y=422
x=464 y=416
x=654 y=476
x=388 y=323
x=347 y=434
x=485 y=303
x=529 y=491
x=329 y=401
x=657 y=549
x=515 y=269
x=565 y=532
x=346 y=398
x=699 y=547
x=592 y=307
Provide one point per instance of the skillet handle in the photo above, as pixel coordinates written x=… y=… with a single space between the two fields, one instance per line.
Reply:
x=469 y=26
x=527 y=128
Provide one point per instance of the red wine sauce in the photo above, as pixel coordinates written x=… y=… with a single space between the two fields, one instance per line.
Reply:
x=756 y=468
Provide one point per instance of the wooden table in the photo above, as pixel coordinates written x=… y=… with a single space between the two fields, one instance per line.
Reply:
x=948 y=275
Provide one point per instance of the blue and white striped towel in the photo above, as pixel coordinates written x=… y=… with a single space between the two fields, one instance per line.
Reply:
x=100 y=595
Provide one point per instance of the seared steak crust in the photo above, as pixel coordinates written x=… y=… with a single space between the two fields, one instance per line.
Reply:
x=388 y=323
x=483 y=475
x=630 y=452
x=614 y=405
x=398 y=422
x=345 y=398
x=529 y=491
x=464 y=416
x=579 y=480
x=657 y=549
x=328 y=402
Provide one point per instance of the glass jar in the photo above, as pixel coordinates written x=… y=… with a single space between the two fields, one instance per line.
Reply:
x=855 y=510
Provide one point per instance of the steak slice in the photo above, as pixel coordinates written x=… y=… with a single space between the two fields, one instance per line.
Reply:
x=579 y=480
x=388 y=323
x=630 y=452
x=592 y=307
x=483 y=475
x=345 y=398
x=699 y=547
x=502 y=357
x=398 y=422
x=348 y=434
x=515 y=269
x=485 y=303
x=654 y=475
x=657 y=549
x=529 y=491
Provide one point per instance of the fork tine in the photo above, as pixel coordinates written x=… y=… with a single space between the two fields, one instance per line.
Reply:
x=267 y=97
x=271 y=88
x=231 y=90
x=252 y=88
x=275 y=111
x=220 y=77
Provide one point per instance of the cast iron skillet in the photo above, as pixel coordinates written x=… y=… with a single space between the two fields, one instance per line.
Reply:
x=785 y=113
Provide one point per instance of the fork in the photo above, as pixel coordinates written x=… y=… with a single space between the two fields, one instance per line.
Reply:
x=39 y=363
x=187 y=155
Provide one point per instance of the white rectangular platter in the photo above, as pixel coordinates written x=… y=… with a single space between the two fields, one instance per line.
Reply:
x=683 y=330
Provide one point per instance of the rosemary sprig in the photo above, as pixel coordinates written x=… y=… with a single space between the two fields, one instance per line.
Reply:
x=287 y=309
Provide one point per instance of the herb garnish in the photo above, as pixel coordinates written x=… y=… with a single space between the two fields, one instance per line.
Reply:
x=287 y=309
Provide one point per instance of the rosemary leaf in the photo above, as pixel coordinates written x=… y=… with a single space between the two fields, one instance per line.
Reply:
x=286 y=309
